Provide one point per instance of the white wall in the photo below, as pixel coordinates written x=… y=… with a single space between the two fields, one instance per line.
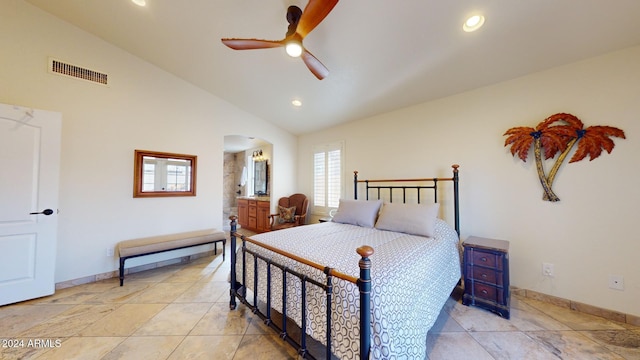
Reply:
x=142 y=108
x=588 y=235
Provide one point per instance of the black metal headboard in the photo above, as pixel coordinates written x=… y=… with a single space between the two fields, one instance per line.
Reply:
x=433 y=184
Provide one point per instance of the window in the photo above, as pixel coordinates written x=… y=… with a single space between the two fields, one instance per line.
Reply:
x=327 y=177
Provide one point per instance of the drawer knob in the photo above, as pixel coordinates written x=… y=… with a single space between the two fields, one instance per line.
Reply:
x=483 y=259
x=484 y=291
x=484 y=276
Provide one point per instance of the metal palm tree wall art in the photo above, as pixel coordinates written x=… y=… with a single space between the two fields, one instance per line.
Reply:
x=557 y=134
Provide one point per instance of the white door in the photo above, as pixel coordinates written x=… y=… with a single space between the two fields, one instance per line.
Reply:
x=29 y=176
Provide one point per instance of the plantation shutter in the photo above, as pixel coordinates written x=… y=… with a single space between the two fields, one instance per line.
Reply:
x=327 y=177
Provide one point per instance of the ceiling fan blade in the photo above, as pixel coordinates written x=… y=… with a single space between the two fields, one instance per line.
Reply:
x=313 y=14
x=316 y=67
x=251 y=44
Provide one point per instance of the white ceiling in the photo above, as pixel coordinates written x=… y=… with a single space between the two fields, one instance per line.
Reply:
x=382 y=54
x=237 y=143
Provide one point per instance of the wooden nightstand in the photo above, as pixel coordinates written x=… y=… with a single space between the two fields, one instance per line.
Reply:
x=486 y=274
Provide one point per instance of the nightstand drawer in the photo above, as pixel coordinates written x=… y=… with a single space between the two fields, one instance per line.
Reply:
x=488 y=292
x=485 y=258
x=484 y=274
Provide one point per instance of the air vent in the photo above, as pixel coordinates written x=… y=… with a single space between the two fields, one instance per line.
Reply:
x=65 y=69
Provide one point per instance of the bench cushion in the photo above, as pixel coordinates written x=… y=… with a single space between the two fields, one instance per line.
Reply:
x=166 y=242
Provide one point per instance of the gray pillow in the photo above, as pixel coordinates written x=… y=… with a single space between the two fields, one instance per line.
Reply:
x=357 y=212
x=415 y=219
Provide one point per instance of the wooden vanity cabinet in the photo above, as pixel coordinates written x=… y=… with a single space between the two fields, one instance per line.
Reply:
x=254 y=214
x=252 y=221
x=243 y=213
x=262 y=221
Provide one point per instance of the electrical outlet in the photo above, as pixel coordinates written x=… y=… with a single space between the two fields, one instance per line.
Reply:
x=110 y=252
x=616 y=282
x=547 y=270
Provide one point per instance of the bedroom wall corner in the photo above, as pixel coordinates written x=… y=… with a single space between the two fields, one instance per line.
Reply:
x=588 y=235
x=142 y=107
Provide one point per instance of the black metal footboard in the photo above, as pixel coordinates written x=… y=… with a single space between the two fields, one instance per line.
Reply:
x=239 y=291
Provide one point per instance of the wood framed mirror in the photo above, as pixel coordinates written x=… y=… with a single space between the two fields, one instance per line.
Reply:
x=261 y=177
x=161 y=174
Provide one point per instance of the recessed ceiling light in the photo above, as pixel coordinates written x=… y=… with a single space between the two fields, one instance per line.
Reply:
x=140 y=2
x=296 y=102
x=473 y=23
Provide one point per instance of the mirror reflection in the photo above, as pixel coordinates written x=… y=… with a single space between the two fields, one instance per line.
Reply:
x=163 y=174
x=261 y=177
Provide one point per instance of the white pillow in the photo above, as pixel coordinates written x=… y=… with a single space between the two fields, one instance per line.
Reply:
x=357 y=212
x=415 y=219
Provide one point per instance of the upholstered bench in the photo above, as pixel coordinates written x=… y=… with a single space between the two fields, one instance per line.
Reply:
x=156 y=244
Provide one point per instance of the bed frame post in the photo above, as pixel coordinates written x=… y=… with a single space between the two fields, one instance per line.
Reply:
x=456 y=198
x=355 y=184
x=364 y=283
x=232 y=289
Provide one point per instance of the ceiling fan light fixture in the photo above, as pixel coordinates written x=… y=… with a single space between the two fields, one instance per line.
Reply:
x=473 y=23
x=301 y=23
x=139 y=2
x=294 y=48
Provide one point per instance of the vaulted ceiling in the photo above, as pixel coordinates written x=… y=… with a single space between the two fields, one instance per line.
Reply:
x=382 y=55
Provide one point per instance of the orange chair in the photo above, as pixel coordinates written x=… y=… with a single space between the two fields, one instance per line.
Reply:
x=287 y=216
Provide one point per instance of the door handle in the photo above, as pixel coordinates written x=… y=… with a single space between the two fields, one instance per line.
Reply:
x=44 y=212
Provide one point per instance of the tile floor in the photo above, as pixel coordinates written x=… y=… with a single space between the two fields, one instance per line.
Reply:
x=181 y=312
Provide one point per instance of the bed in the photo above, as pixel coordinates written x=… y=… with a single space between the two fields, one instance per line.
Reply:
x=383 y=269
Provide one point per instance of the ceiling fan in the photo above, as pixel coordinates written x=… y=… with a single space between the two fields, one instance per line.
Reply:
x=301 y=23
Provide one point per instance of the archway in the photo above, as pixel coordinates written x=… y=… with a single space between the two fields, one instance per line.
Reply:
x=238 y=171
